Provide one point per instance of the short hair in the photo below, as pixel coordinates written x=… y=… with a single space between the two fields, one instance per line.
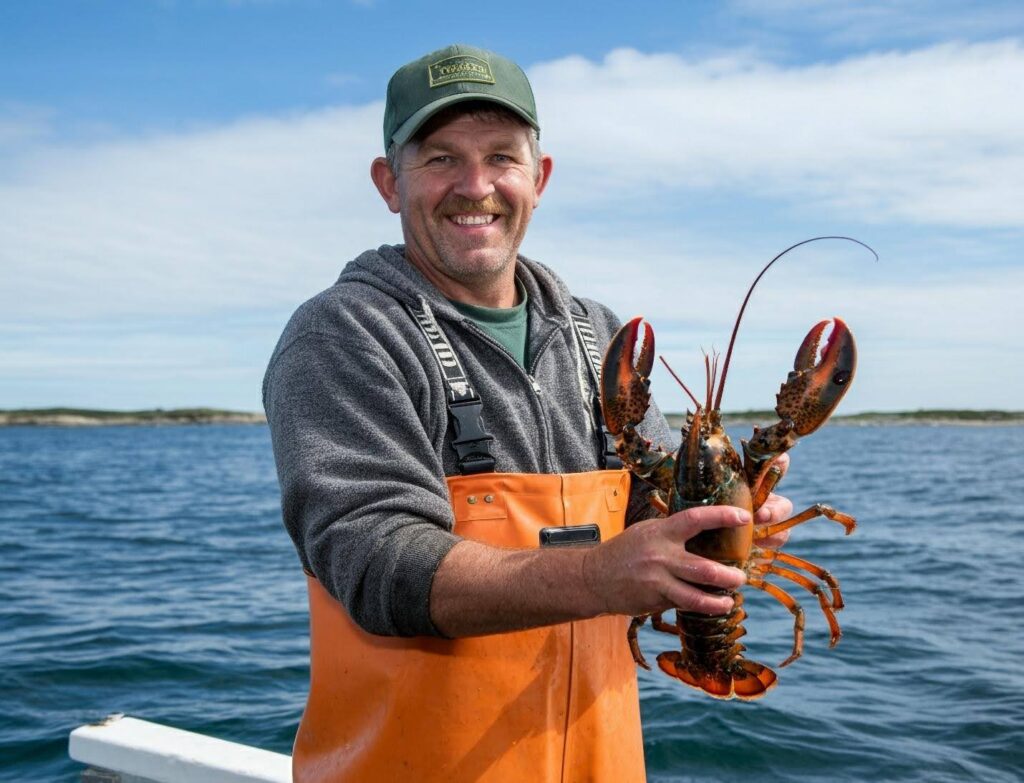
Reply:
x=481 y=110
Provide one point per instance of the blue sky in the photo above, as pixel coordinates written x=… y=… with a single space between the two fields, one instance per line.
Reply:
x=176 y=177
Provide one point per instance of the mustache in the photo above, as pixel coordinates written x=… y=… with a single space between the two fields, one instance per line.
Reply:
x=459 y=205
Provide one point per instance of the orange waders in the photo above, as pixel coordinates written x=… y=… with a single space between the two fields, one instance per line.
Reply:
x=557 y=703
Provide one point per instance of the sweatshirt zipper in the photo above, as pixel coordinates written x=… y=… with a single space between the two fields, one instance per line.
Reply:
x=535 y=359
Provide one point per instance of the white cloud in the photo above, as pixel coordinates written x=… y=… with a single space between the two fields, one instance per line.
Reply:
x=930 y=136
x=266 y=210
x=262 y=213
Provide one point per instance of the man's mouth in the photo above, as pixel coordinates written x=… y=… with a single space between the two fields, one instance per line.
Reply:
x=473 y=220
x=471 y=213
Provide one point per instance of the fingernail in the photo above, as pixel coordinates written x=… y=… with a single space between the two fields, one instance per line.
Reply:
x=742 y=517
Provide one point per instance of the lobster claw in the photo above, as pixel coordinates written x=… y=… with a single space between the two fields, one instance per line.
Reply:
x=625 y=394
x=813 y=390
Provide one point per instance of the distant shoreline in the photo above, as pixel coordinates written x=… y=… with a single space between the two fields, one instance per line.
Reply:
x=85 y=417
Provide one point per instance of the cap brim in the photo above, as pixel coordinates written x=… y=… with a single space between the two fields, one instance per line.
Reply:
x=408 y=128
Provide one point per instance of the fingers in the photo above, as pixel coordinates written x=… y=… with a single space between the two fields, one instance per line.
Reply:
x=689 y=590
x=647 y=568
x=775 y=509
x=686 y=524
x=782 y=463
x=688 y=598
x=703 y=572
x=695 y=575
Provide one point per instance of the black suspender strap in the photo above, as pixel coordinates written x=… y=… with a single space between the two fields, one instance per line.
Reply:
x=588 y=342
x=585 y=334
x=471 y=442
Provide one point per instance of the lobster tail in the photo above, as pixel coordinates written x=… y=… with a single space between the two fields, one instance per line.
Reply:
x=744 y=679
x=712 y=660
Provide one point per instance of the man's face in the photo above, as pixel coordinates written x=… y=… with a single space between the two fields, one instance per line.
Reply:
x=466 y=193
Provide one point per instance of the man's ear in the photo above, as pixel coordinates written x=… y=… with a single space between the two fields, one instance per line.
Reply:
x=543 y=176
x=386 y=182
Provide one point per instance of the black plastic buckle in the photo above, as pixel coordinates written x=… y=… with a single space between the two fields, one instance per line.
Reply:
x=607 y=455
x=610 y=459
x=471 y=443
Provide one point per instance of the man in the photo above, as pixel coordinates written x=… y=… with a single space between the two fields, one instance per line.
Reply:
x=431 y=413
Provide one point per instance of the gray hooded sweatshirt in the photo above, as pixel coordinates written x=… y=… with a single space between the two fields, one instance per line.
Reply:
x=357 y=410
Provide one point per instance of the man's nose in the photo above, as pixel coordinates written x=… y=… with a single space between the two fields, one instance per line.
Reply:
x=475 y=181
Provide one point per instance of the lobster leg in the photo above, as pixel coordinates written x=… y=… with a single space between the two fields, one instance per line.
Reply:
x=790 y=603
x=634 y=643
x=771 y=555
x=766 y=485
x=660 y=625
x=815 y=511
x=657 y=500
x=810 y=586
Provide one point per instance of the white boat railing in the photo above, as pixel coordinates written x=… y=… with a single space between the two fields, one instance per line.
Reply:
x=128 y=750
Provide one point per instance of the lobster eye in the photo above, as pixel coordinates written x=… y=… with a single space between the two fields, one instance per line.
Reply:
x=841 y=378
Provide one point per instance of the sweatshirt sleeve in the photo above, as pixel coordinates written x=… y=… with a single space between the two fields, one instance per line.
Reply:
x=362 y=489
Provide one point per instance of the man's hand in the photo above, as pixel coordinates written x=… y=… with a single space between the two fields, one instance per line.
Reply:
x=479 y=589
x=647 y=568
x=775 y=509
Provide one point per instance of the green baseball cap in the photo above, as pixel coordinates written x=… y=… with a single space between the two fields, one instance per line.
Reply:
x=454 y=74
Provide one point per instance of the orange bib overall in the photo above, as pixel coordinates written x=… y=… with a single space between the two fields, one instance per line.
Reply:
x=557 y=703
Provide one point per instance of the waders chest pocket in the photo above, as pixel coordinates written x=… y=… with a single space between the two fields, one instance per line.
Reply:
x=573 y=535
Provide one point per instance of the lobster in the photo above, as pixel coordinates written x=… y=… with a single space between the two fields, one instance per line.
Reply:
x=706 y=470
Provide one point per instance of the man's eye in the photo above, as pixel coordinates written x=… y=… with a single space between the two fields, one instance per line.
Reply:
x=501 y=158
x=440 y=159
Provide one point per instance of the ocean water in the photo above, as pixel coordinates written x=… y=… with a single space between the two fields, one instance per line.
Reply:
x=145 y=570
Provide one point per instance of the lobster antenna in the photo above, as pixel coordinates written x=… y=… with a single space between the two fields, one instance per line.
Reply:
x=743 y=307
x=709 y=383
x=680 y=382
x=714 y=369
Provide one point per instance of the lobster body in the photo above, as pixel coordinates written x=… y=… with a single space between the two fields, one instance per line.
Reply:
x=707 y=470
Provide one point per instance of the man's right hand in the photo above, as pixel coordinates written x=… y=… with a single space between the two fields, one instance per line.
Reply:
x=646 y=569
x=480 y=589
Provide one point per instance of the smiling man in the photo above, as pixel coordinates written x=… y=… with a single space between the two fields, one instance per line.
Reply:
x=447 y=483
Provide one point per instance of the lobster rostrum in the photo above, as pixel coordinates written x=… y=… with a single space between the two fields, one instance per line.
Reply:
x=706 y=470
